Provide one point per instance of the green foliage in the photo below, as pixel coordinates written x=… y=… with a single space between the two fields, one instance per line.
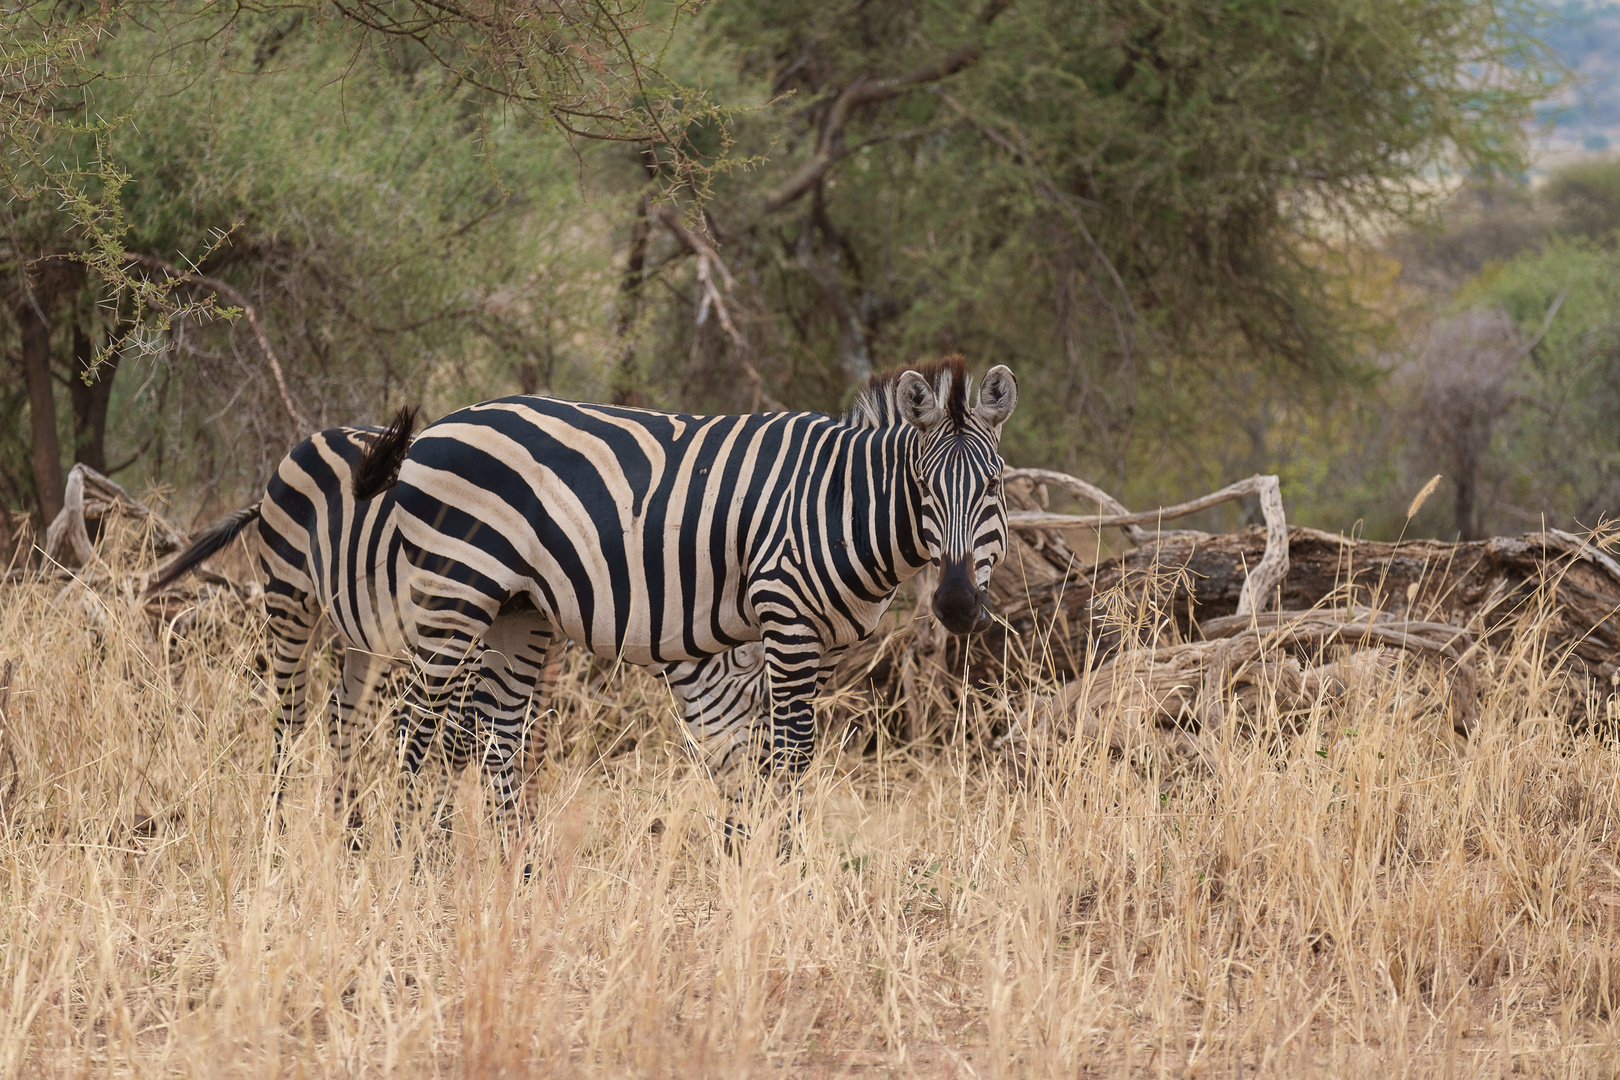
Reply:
x=1561 y=444
x=61 y=188
x=388 y=187
x=1152 y=213
x=395 y=238
x=1143 y=210
x=403 y=243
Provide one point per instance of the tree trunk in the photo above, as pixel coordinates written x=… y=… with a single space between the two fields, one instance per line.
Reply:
x=854 y=352
x=36 y=351
x=90 y=401
x=1466 y=508
x=624 y=379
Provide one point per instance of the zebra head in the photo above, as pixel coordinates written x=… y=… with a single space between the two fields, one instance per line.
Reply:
x=957 y=463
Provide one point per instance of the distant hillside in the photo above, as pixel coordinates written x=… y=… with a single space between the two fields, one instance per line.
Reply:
x=1586 y=37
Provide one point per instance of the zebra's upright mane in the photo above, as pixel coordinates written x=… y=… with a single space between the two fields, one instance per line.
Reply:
x=875 y=407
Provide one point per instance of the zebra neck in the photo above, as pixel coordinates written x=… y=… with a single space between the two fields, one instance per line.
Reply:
x=911 y=554
x=859 y=510
x=892 y=521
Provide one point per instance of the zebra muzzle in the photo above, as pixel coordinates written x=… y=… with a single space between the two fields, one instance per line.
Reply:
x=960 y=606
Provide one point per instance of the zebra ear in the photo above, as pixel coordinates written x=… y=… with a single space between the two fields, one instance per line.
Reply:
x=997 y=396
x=918 y=404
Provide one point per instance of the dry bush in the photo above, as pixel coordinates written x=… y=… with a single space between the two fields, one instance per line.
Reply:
x=1359 y=892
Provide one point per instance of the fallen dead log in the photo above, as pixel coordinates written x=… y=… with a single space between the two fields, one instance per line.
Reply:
x=1181 y=621
x=88 y=499
x=1197 y=580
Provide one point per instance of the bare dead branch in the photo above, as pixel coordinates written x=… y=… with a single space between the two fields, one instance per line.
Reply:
x=1083 y=490
x=863 y=91
x=1039 y=520
x=711 y=297
x=90 y=494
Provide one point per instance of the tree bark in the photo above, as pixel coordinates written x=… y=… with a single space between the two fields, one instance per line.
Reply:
x=854 y=353
x=624 y=379
x=1464 y=508
x=90 y=401
x=47 y=447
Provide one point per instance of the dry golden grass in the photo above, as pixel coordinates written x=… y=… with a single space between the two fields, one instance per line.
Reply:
x=1369 y=897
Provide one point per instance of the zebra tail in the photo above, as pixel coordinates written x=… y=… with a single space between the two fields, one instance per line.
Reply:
x=379 y=465
x=215 y=537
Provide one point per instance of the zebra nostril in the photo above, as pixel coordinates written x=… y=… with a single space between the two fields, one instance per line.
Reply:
x=984 y=617
x=958 y=603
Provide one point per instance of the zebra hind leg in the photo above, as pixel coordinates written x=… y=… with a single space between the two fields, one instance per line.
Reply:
x=437 y=718
x=359 y=675
x=429 y=728
x=290 y=627
x=511 y=678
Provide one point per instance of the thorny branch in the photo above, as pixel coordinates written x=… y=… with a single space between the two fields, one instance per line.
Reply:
x=234 y=297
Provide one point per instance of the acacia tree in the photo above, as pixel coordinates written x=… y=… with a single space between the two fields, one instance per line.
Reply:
x=1111 y=197
x=119 y=240
x=1463 y=382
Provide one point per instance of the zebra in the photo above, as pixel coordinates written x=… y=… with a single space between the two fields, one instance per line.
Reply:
x=321 y=551
x=664 y=539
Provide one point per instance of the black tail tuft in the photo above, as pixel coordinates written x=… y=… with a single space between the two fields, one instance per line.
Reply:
x=379 y=467
x=215 y=537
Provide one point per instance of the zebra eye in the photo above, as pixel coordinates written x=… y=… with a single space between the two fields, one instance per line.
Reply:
x=993 y=489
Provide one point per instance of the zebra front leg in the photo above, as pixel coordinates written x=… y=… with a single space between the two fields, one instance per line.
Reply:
x=793 y=657
x=793 y=661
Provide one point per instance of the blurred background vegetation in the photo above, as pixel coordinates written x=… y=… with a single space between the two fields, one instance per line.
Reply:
x=1212 y=237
